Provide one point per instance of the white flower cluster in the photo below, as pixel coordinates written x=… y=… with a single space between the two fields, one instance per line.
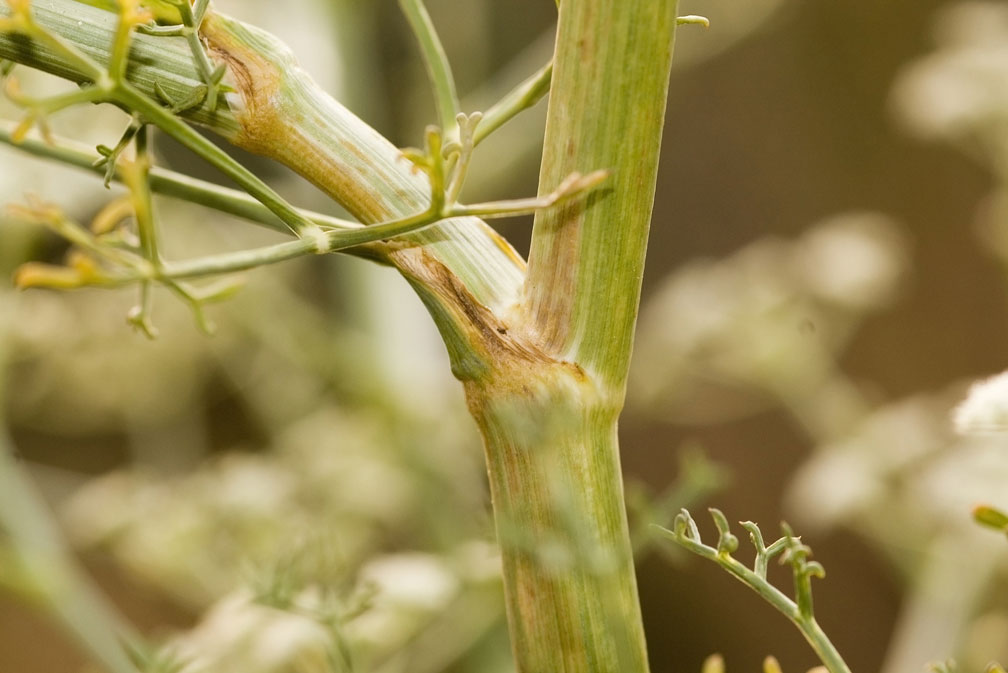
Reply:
x=985 y=409
x=961 y=90
x=718 y=335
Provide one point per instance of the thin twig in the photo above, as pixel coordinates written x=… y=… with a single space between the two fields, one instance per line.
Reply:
x=438 y=69
x=519 y=99
x=171 y=183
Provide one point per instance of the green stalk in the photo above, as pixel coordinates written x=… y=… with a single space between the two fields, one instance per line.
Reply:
x=522 y=97
x=91 y=32
x=438 y=70
x=569 y=580
x=549 y=411
x=607 y=109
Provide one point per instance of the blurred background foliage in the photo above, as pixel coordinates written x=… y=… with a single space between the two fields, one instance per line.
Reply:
x=304 y=490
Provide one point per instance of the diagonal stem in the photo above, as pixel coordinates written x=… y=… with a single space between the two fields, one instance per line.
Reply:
x=438 y=69
x=519 y=99
x=171 y=183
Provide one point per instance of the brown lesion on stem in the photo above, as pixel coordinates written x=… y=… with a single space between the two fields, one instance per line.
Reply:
x=270 y=124
x=550 y=308
x=502 y=356
x=492 y=345
x=497 y=341
x=254 y=78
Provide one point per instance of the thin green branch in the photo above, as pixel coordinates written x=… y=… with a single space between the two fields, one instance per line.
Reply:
x=336 y=241
x=137 y=178
x=799 y=611
x=519 y=99
x=171 y=183
x=461 y=152
x=575 y=183
x=243 y=260
x=145 y=265
x=110 y=155
x=438 y=69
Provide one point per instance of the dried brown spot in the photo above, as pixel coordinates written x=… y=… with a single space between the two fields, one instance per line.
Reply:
x=503 y=348
x=268 y=127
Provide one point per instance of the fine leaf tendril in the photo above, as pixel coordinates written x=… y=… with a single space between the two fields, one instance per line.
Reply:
x=791 y=551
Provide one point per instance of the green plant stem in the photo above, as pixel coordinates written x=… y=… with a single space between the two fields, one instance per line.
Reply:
x=438 y=70
x=243 y=260
x=607 y=105
x=342 y=239
x=550 y=398
x=799 y=611
x=552 y=457
x=521 y=98
x=806 y=624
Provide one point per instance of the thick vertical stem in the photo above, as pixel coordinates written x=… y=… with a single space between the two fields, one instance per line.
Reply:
x=607 y=109
x=549 y=431
x=549 y=426
x=558 y=501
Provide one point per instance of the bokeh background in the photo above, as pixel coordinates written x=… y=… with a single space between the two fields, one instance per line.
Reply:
x=826 y=277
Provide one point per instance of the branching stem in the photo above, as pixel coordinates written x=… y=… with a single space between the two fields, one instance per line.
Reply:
x=170 y=183
x=799 y=611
